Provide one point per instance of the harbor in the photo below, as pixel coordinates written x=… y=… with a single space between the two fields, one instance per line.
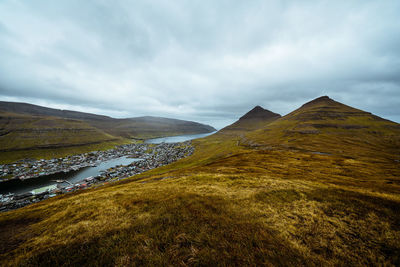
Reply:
x=58 y=176
x=20 y=186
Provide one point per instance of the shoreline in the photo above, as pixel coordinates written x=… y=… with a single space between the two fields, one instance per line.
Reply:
x=159 y=155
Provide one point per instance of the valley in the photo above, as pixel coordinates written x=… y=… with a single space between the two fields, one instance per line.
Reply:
x=30 y=131
x=319 y=186
x=64 y=175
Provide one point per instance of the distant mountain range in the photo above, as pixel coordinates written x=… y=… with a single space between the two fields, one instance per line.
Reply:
x=138 y=127
x=30 y=127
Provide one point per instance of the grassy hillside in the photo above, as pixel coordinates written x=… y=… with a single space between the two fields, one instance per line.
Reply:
x=324 y=125
x=252 y=120
x=37 y=136
x=256 y=198
x=139 y=127
x=150 y=127
x=30 y=131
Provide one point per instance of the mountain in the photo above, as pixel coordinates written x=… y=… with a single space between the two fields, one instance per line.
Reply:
x=258 y=113
x=150 y=127
x=326 y=126
x=254 y=119
x=28 y=130
x=139 y=127
x=30 y=109
x=33 y=132
x=317 y=187
x=27 y=136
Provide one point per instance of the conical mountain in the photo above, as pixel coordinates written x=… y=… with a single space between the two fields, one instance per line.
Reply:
x=256 y=118
x=259 y=113
x=324 y=125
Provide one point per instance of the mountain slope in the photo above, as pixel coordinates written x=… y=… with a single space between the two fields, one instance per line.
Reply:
x=23 y=136
x=249 y=198
x=30 y=131
x=150 y=127
x=141 y=127
x=254 y=119
x=30 y=109
x=324 y=125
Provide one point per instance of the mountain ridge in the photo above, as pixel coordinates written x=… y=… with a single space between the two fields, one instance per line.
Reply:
x=31 y=109
x=122 y=127
x=27 y=129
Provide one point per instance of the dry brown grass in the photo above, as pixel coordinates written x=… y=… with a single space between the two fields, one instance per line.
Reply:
x=226 y=205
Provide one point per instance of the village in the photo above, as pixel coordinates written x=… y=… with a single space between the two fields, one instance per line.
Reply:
x=31 y=168
x=151 y=155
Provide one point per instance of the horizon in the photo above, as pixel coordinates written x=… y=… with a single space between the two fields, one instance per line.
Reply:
x=216 y=127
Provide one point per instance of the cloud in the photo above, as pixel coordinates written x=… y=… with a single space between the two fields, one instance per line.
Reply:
x=209 y=61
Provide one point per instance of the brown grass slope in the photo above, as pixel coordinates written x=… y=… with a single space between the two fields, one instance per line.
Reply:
x=25 y=135
x=31 y=131
x=324 y=125
x=140 y=127
x=150 y=127
x=249 y=199
x=252 y=120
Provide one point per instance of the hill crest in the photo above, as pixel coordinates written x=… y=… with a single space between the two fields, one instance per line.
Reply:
x=256 y=118
x=320 y=100
x=326 y=125
x=36 y=110
x=259 y=113
x=134 y=127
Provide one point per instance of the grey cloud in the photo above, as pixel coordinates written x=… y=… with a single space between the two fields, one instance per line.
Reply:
x=209 y=61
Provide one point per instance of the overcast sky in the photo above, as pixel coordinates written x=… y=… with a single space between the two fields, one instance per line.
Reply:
x=208 y=61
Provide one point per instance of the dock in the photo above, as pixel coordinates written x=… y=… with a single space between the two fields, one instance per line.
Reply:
x=62 y=181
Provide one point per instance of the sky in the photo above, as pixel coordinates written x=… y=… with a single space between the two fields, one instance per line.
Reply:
x=206 y=61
